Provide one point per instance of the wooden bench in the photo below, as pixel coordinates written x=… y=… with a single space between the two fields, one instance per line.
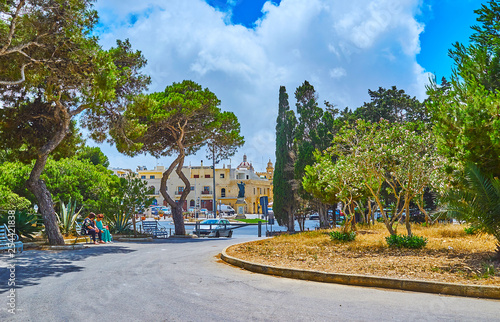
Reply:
x=152 y=228
x=9 y=240
x=78 y=228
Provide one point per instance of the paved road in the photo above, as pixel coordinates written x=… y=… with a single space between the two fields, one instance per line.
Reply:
x=184 y=281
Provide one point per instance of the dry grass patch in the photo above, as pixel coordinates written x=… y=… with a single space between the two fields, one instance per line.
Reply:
x=450 y=255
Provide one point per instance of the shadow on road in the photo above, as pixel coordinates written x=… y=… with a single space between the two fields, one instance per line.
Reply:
x=31 y=266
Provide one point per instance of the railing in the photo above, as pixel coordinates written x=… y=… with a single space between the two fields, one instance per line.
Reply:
x=206 y=192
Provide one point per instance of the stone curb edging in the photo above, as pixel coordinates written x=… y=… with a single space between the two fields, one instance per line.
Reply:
x=491 y=292
x=132 y=239
x=182 y=236
x=63 y=247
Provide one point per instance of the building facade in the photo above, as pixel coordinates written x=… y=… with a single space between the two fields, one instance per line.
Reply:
x=201 y=179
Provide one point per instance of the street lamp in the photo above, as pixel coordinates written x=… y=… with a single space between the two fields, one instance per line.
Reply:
x=213 y=160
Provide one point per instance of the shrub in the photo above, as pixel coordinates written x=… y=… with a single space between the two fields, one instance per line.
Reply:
x=470 y=230
x=26 y=224
x=343 y=237
x=403 y=241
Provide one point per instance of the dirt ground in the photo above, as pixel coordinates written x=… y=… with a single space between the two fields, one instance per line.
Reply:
x=450 y=256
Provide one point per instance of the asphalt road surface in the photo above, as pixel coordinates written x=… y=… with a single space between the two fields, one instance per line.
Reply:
x=182 y=280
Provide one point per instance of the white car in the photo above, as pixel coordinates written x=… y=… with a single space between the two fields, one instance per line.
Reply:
x=214 y=228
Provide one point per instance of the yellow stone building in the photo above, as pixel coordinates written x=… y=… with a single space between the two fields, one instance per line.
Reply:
x=226 y=185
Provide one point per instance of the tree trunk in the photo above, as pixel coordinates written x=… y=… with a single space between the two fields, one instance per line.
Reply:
x=323 y=216
x=407 y=220
x=45 y=203
x=133 y=222
x=290 y=225
x=178 y=218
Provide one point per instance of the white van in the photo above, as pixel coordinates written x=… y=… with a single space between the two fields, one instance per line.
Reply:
x=226 y=209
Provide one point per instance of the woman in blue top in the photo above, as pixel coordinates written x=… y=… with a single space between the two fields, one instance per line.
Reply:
x=106 y=235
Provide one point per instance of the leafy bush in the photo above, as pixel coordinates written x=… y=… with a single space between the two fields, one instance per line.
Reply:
x=343 y=237
x=26 y=223
x=471 y=230
x=404 y=241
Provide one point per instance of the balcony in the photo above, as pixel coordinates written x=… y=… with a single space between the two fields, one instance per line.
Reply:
x=204 y=192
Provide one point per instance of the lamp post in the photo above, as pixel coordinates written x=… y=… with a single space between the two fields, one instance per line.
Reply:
x=213 y=160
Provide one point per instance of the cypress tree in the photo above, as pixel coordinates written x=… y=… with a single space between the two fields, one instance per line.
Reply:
x=284 y=201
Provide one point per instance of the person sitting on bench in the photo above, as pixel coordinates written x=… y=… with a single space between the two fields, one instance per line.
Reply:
x=89 y=228
x=106 y=235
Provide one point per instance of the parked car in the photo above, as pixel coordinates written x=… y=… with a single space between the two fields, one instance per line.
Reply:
x=165 y=210
x=215 y=228
x=314 y=216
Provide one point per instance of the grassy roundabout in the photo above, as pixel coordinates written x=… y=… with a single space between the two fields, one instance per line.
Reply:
x=450 y=256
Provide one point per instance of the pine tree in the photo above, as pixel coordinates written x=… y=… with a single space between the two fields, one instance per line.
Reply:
x=284 y=201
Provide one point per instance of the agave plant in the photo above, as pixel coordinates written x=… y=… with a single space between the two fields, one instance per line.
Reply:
x=26 y=224
x=120 y=222
x=478 y=203
x=67 y=217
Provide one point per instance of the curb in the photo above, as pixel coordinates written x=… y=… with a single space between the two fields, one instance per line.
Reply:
x=490 y=292
x=131 y=239
x=63 y=247
x=182 y=236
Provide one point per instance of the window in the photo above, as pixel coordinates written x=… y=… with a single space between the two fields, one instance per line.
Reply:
x=151 y=177
x=143 y=177
x=207 y=176
x=253 y=190
x=222 y=175
x=180 y=190
x=191 y=203
x=196 y=176
x=206 y=190
x=247 y=176
x=222 y=192
x=192 y=188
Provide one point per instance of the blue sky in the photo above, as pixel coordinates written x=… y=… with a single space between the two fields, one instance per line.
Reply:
x=446 y=22
x=244 y=50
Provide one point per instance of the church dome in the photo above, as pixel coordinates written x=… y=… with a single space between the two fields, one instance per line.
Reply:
x=245 y=164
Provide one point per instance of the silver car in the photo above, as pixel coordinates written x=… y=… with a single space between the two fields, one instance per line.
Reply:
x=214 y=228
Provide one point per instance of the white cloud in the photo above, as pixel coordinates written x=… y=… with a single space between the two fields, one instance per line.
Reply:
x=337 y=72
x=342 y=48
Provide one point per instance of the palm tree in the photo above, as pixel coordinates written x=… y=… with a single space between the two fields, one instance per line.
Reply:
x=478 y=203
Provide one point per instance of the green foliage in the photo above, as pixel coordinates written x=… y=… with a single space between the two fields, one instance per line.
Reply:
x=392 y=105
x=252 y=221
x=94 y=155
x=404 y=241
x=130 y=196
x=465 y=110
x=284 y=202
x=67 y=216
x=478 y=203
x=119 y=222
x=26 y=225
x=10 y=200
x=179 y=121
x=66 y=178
x=368 y=158
x=471 y=230
x=342 y=236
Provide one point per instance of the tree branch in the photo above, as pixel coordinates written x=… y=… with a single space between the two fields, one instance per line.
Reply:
x=12 y=27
